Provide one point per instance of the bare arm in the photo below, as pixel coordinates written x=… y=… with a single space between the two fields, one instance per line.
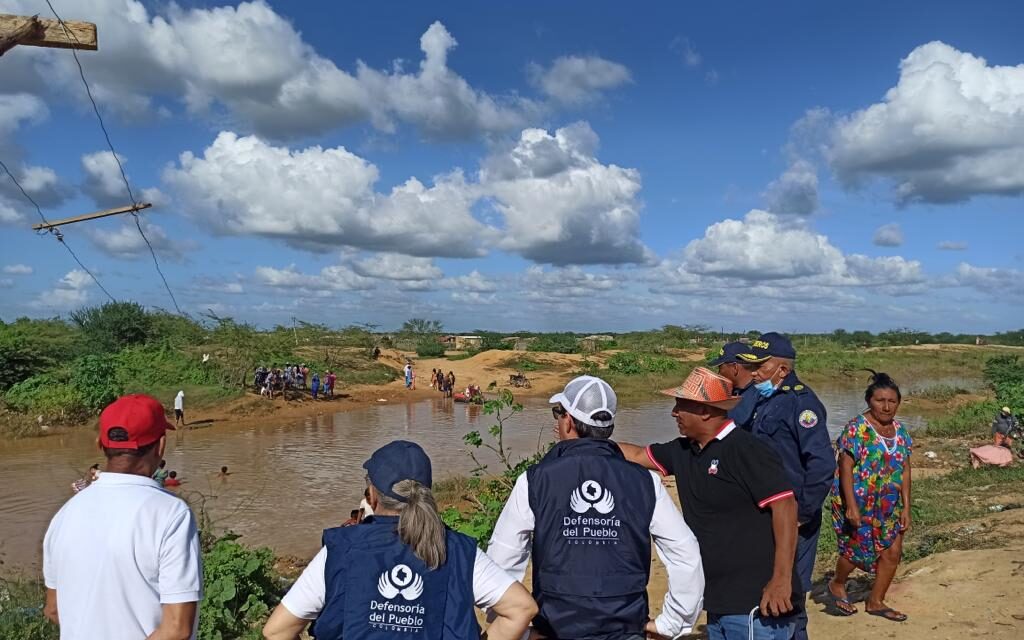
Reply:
x=50 y=608
x=283 y=625
x=176 y=621
x=638 y=455
x=512 y=614
x=905 y=493
x=777 y=597
x=846 y=487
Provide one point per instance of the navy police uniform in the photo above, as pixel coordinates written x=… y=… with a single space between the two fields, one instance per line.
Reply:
x=793 y=421
x=743 y=413
x=592 y=542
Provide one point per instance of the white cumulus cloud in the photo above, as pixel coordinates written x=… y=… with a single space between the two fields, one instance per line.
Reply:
x=323 y=199
x=952 y=128
x=578 y=80
x=393 y=266
x=127 y=243
x=762 y=250
x=795 y=191
x=888 y=235
x=71 y=291
x=950 y=245
x=252 y=63
x=18 y=270
x=563 y=206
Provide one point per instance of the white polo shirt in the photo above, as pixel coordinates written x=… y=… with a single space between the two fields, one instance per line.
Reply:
x=115 y=553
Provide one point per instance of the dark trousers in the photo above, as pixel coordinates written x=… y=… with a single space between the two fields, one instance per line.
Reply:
x=806 y=549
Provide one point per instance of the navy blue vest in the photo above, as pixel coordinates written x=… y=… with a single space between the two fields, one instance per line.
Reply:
x=378 y=589
x=591 y=541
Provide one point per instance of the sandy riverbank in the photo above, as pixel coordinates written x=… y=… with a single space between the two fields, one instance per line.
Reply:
x=947 y=596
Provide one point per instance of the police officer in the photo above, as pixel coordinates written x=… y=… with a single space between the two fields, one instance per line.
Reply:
x=592 y=515
x=400 y=573
x=738 y=373
x=792 y=419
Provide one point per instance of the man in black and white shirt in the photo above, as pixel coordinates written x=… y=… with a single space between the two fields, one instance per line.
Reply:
x=737 y=500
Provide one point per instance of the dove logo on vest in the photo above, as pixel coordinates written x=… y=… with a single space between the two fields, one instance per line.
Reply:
x=406 y=586
x=603 y=527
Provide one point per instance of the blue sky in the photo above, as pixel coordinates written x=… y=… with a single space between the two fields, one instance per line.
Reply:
x=583 y=166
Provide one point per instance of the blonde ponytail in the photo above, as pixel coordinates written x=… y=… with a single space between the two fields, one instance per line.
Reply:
x=419 y=524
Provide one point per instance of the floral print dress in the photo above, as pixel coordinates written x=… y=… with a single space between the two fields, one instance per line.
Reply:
x=878 y=467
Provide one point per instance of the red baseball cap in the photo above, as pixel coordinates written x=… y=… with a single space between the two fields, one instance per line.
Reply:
x=133 y=421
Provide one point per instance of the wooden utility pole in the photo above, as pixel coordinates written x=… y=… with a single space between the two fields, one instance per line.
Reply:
x=33 y=31
x=92 y=216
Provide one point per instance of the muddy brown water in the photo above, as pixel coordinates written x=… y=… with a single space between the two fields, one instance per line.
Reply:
x=290 y=481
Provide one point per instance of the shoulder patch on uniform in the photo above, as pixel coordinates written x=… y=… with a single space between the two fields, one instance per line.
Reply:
x=799 y=387
x=808 y=419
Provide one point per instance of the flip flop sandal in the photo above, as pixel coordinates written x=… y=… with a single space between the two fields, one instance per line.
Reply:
x=837 y=604
x=888 y=614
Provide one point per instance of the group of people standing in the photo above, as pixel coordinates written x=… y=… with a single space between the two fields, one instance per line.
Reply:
x=442 y=382
x=753 y=464
x=271 y=380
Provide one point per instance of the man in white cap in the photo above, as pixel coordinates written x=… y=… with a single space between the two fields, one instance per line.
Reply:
x=591 y=515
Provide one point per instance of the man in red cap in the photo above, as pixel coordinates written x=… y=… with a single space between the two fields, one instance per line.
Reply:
x=121 y=558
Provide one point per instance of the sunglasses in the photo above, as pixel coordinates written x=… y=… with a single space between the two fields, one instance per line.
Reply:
x=559 y=411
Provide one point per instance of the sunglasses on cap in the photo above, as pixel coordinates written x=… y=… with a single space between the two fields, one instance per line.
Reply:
x=558 y=411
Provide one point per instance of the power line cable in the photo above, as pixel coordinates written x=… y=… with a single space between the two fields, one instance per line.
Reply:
x=124 y=176
x=56 y=232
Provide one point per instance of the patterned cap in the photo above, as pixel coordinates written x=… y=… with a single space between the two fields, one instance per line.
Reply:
x=707 y=387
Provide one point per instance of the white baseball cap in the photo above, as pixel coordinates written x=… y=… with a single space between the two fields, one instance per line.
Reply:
x=586 y=395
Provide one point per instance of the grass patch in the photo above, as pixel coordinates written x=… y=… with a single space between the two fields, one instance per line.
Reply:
x=465 y=355
x=940 y=392
x=524 y=363
x=828 y=361
x=973 y=418
x=21 y=611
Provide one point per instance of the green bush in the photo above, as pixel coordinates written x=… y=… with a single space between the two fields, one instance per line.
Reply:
x=555 y=343
x=19 y=360
x=239 y=589
x=940 y=392
x=21 y=611
x=634 y=363
x=30 y=347
x=49 y=395
x=95 y=379
x=969 y=419
x=113 y=326
x=1005 y=374
x=429 y=348
x=160 y=365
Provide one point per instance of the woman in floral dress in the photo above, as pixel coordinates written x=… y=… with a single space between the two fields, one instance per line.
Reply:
x=871 y=498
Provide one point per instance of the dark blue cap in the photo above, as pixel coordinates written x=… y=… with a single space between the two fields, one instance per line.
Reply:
x=768 y=345
x=728 y=353
x=397 y=461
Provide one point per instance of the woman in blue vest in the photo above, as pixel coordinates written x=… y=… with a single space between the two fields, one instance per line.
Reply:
x=401 y=573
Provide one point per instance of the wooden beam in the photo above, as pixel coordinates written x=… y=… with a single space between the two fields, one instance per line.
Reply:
x=25 y=29
x=93 y=216
x=43 y=32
